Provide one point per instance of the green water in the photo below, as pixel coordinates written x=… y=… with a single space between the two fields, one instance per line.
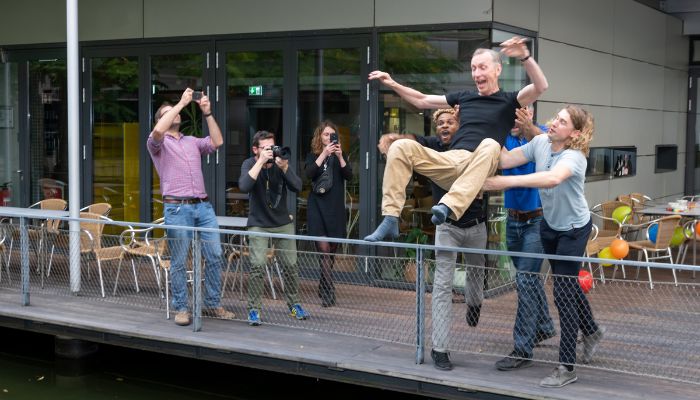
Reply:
x=29 y=370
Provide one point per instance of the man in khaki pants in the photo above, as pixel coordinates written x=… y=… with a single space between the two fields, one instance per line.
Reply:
x=486 y=116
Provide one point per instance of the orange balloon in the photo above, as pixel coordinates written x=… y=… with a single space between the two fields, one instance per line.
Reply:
x=619 y=248
x=585 y=280
x=697 y=228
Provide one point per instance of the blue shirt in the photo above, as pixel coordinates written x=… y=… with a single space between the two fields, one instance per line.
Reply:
x=521 y=199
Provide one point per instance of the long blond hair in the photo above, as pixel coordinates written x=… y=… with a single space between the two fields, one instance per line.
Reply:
x=582 y=121
x=316 y=142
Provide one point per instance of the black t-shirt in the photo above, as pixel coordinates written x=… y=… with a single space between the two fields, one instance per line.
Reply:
x=476 y=209
x=482 y=117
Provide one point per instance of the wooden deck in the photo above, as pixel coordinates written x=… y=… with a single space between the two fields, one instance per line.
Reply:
x=385 y=363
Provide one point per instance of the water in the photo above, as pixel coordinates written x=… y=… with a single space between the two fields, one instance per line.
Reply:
x=29 y=370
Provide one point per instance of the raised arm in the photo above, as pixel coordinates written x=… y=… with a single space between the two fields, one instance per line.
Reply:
x=215 y=136
x=166 y=120
x=418 y=99
x=515 y=47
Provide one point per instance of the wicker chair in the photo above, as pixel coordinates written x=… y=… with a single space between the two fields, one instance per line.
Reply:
x=661 y=249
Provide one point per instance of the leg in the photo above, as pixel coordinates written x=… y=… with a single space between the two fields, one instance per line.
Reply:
x=474 y=238
x=326 y=289
x=286 y=250
x=258 y=248
x=211 y=249
x=179 y=241
x=445 y=235
x=465 y=188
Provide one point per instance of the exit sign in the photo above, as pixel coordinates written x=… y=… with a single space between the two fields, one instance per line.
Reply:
x=255 y=90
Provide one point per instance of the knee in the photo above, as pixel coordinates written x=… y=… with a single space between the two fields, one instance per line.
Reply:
x=400 y=147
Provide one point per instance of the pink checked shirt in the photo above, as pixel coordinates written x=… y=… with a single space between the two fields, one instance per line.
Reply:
x=179 y=164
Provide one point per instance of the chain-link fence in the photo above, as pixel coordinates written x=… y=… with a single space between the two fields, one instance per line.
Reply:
x=398 y=293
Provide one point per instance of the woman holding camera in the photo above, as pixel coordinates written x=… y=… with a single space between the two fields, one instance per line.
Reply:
x=327 y=168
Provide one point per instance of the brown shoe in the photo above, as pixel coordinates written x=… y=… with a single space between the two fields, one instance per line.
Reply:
x=183 y=318
x=218 y=312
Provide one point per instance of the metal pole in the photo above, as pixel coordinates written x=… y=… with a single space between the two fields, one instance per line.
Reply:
x=420 y=307
x=197 y=284
x=24 y=251
x=73 y=71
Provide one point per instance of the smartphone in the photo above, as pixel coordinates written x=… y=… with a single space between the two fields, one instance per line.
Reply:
x=196 y=96
x=334 y=138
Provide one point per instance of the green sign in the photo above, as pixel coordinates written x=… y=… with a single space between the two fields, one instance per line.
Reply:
x=255 y=90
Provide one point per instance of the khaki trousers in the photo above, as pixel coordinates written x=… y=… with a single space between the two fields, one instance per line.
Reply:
x=460 y=172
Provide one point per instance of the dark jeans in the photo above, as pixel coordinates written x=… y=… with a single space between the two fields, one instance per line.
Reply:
x=574 y=310
x=533 y=312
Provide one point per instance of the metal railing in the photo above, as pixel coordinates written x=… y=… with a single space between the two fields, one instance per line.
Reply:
x=649 y=331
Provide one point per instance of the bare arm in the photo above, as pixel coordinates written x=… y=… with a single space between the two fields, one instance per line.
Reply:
x=544 y=179
x=388 y=138
x=166 y=120
x=515 y=47
x=511 y=159
x=215 y=136
x=418 y=99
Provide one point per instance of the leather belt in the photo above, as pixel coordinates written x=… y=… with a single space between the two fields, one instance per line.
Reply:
x=467 y=224
x=523 y=216
x=184 y=200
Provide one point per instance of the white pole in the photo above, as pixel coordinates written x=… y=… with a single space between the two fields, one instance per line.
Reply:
x=73 y=71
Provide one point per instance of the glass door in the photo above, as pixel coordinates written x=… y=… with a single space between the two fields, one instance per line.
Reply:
x=9 y=136
x=692 y=156
x=48 y=129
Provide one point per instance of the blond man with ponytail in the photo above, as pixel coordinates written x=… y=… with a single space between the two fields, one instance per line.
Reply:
x=560 y=165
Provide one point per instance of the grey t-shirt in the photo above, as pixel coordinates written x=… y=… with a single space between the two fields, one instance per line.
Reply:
x=564 y=206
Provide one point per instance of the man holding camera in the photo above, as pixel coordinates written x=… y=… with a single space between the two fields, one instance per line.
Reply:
x=266 y=177
x=177 y=159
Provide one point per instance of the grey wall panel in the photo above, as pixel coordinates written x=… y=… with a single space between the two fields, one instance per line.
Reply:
x=105 y=20
x=417 y=12
x=183 y=17
x=583 y=23
x=637 y=84
x=33 y=21
x=520 y=13
x=597 y=192
x=639 y=32
x=675 y=90
x=677 y=45
x=634 y=127
x=650 y=183
x=575 y=74
x=674 y=129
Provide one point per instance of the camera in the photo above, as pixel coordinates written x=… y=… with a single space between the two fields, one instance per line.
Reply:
x=197 y=95
x=334 y=138
x=281 y=152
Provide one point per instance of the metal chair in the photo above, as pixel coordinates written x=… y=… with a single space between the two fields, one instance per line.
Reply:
x=661 y=248
x=91 y=244
x=98 y=208
x=598 y=241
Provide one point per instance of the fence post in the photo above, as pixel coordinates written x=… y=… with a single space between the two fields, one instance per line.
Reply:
x=420 y=306
x=24 y=251
x=197 y=282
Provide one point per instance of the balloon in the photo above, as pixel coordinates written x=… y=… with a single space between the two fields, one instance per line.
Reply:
x=697 y=228
x=606 y=253
x=620 y=214
x=619 y=248
x=652 y=232
x=678 y=237
x=585 y=280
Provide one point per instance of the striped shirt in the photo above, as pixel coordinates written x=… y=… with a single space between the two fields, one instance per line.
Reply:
x=179 y=164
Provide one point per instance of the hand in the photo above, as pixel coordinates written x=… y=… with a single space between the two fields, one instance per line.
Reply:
x=383 y=77
x=515 y=47
x=385 y=142
x=338 y=151
x=328 y=150
x=265 y=155
x=186 y=97
x=282 y=164
x=523 y=119
x=204 y=104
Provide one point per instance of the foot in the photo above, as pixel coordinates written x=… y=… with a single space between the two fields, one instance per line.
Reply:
x=298 y=312
x=253 y=317
x=559 y=377
x=441 y=360
x=218 y=312
x=590 y=344
x=389 y=228
x=473 y=313
x=440 y=214
x=183 y=318
x=541 y=336
x=513 y=361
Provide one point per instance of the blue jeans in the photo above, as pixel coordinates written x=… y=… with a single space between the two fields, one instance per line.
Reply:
x=198 y=215
x=532 y=315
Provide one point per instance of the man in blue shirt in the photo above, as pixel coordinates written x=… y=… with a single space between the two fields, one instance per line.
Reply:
x=533 y=323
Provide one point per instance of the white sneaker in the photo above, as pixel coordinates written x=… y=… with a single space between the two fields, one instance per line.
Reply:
x=559 y=377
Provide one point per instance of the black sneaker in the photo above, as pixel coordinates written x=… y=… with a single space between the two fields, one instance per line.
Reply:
x=541 y=336
x=473 y=313
x=513 y=361
x=441 y=360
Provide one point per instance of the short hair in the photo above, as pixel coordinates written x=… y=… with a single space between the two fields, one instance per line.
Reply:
x=261 y=135
x=441 y=111
x=316 y=143
x=159 y=112
x=495 y=56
